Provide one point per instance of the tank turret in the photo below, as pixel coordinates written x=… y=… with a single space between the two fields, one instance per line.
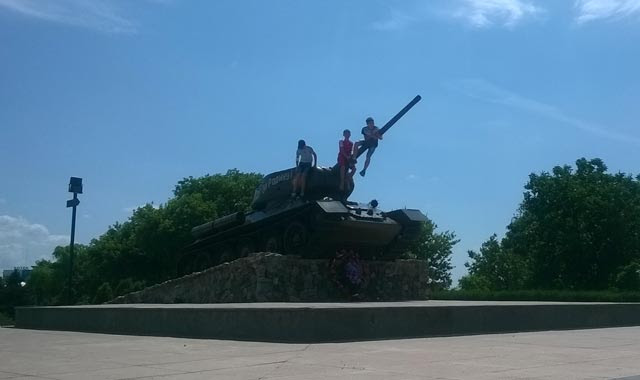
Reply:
x=276 y=187
x=321 y=182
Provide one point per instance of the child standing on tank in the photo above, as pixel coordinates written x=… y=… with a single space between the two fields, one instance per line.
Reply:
x=345 y=160
x=305 y=158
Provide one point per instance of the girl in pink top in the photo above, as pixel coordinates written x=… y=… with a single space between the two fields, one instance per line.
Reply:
x=345 y=159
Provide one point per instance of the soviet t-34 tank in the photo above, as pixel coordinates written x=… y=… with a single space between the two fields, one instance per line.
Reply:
x=312 y=227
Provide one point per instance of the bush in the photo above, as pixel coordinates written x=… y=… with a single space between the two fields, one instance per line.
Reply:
x=5 y=320
x=127 y=286
x=628 y=278
x=103 y=294
x=538 y=295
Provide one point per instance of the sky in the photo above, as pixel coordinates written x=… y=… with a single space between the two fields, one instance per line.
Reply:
x=134 y=95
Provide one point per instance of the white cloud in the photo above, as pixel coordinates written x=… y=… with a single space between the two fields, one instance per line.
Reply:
x=22 y=243
x=397 y=20
x=590 y=10
x=477 y=13
x=415 y=177
x=485 y=13
x=486 y=91
x=101 y=15
x=412 y=177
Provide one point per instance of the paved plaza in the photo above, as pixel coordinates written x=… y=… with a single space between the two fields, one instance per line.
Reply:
x=578 y=354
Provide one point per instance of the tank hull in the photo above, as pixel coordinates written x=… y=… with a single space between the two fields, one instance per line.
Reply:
x=312 y=229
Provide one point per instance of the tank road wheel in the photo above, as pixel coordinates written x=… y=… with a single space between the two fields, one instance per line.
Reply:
x=185 y=265
x=226 y=254
x=272 y=243
x=295 y=237
x=201 y=262
x=245 y=247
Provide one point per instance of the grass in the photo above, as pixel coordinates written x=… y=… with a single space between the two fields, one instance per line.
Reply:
x=537 y=295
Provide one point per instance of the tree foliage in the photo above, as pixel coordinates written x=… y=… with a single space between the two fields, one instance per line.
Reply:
x=436 y=248
x=12 y=293
x=493 y=268
x=49 y=280
x=628 y=277
x=575 y=229
x=103 y=294
x=144 y=249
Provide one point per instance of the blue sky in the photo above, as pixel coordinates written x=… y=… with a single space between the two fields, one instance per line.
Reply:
x=135 y=95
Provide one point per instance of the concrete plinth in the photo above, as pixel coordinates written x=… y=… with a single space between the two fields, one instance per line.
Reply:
x=325 y=322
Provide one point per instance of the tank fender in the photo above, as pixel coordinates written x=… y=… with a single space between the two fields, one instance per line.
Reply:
x=218 y=225
x=406 y=216
x=333 y=207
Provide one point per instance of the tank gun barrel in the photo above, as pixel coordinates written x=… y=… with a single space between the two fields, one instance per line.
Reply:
x=400 y=114
x=397 y=117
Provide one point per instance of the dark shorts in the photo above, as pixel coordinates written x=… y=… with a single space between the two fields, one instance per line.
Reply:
x=369 y=145
x=303 y=167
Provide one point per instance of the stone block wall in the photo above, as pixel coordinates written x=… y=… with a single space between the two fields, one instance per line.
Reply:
x=269 y=277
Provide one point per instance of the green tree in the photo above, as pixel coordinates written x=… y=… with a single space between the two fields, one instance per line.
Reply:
x=13 y=294
x=493 y=268
x=103 y=294
x=575 y=229
x=226 y=193
x=127 y=286
x=436 y=248
x=145 y=248
x=628 y=278
x=46 y=283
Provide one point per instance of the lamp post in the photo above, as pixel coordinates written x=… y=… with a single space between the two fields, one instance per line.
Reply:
x=75 y=187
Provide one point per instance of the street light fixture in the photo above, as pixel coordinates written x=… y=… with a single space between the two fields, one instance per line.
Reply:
x=75 y=187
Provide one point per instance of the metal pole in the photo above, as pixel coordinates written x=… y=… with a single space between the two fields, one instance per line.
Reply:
x=73 y=236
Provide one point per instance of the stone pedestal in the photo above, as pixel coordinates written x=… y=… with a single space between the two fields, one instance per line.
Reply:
x=269 y=277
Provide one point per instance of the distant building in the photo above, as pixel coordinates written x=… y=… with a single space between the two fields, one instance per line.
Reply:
x=23 y=273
